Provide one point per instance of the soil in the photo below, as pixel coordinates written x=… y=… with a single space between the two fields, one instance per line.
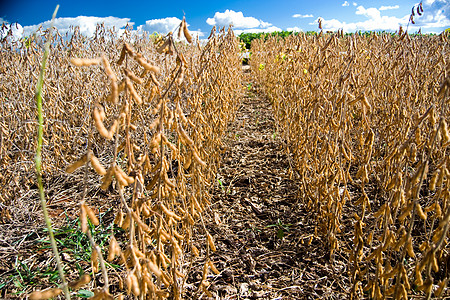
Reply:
x=264 y=234
x=266 y=248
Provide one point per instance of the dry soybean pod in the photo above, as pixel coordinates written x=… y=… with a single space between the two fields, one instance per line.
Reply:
x=71 y=168
x=147 y=66
x=107 y=178
x=85 y=62
x=213 y=268
x=94 y=260
x=183 y=60
x=169 y=212
x=108 y=69
x=91 y=214
x=184 y=136
x=211 y=242
x=129 y=179
x=122 y=55
x=118 y=220
x=186 y=33
x=122 y=182
x=133 y=76
x=161 y=48
x=153 y=77
x=180 y=76
x=180 y=28
x=101 y=127
x=84 y=279
x=97 y=165
x=45 y=294
x=197 y=158
x=113 y=97
x=133 y=92
x=195 y=251
x=154 y=268
x=83 y=218
x=129 y=49
x=180 y=113
x=152 y=94
x=113 y=249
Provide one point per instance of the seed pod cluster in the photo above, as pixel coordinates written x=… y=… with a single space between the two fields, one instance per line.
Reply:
x=164 y=153
x=350 y=127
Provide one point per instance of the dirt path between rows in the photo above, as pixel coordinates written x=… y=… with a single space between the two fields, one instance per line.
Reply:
x=261 y=229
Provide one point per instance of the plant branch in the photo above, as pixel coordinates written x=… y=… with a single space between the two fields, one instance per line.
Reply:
x=38 y=159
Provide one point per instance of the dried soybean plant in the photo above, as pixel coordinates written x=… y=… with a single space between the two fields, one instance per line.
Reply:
x=64 y=117
x=153 y=135
x=365 y=120
x=162 y=178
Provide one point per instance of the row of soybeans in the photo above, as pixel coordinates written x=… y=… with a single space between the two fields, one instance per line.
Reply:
x=365 y=121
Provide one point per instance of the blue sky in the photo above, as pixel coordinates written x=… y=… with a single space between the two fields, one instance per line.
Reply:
x=246 y=16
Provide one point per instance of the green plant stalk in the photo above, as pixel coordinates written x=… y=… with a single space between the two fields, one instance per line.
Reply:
x=38 y=160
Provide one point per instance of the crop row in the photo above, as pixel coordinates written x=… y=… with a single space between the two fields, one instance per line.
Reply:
x=365 y=120
x=139 y=117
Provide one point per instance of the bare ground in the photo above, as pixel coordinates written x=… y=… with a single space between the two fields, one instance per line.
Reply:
x=262 y=230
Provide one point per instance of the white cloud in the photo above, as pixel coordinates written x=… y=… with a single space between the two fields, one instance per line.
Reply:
x=302 y=16
x=370 y=12
x=162 y=26
x=87 y=24
x=345 y=3
x=263 y=24
x=375 y=21
x=435 y=18
x=166 y=25
x=295 y=29
x=355 y=4
x=435 y=15
x=15 y=30
x=389 y=7
x=257 y=30
x=237 y=19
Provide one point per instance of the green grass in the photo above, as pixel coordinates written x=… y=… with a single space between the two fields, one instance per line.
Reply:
x=74 y=248
x=76 y=244
x=281 y=228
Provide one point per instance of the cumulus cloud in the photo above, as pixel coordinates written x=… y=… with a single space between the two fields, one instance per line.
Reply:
x=434 y=19
x=302 y=16
x=355 y=4
x=371 y=12
x=389 y=7
x=162 y=26
x=257 y=30
x=87 y=24
x=375 y=21
x=295 y=29
x=263 y=24
x=436 y=15
x=237 y=19
x=14 y=30
x=345 y=3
